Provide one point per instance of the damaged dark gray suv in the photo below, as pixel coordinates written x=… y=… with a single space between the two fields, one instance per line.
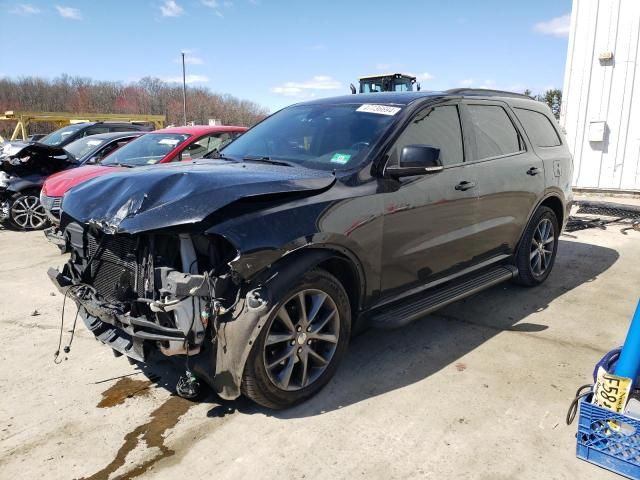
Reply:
x=254 y=268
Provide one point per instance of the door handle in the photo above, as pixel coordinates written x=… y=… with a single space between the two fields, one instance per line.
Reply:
x=533 y=171
x=464 y=185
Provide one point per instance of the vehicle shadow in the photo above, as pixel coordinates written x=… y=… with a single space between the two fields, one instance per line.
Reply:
x=379 y=361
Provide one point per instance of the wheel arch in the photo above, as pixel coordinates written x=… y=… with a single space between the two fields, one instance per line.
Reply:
x=337 y=260
x=554 y=202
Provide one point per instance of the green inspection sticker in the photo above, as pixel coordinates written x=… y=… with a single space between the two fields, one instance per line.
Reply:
x=340 y=158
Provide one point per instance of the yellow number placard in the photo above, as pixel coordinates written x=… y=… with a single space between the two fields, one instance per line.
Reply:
x=611 y=391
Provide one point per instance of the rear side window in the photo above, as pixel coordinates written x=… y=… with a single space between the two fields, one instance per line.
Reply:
x=539 y=128
x=438 y=127
x=495 y=133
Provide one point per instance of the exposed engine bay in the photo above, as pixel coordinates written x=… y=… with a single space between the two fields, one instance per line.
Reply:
x=159 y=287
x=138 y=294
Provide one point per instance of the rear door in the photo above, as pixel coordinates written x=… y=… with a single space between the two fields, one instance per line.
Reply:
x=510 y=175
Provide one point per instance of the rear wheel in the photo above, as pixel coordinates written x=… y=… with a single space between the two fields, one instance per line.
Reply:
x=301 y=344
x=537 y=252
x=26 y=212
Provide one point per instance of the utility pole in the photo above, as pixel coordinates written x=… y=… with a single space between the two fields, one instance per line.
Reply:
x=184 y=92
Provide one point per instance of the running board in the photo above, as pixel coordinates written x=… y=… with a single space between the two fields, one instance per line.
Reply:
x=411 y=309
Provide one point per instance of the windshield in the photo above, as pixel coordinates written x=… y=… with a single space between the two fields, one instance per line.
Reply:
x=59 y=136
x=328 y=137
x=82 y=146
x=146 y=150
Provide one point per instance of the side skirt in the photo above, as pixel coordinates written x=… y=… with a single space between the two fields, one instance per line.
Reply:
x=406 y=311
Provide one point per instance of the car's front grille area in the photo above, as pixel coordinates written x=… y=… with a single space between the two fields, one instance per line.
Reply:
x=51 y=205
x=115 y=270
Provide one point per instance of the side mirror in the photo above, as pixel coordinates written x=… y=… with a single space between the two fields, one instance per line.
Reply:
x=416 y=160
x=353 y=88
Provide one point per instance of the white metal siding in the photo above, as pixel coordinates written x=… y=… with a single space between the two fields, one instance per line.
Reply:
x=606 y=91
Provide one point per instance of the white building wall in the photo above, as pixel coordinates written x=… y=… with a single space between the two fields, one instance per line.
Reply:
x=597 y=90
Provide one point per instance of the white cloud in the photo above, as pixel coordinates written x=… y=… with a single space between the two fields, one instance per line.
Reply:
x=189 y=58
x=25 y=9
x=189 y=79
x=171 y=9
x=422 y=77
x=217 y=5
x=69 y=12
x=303 y=89
x=254 y=2
x=318 y=47
x=467 y=82
x=557 y=27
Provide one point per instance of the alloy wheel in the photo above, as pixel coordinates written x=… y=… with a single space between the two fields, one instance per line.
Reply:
x=28 y=213
x=542 y=245
x=301 y=340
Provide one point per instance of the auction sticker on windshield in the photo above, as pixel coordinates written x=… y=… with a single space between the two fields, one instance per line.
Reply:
x=379 y=109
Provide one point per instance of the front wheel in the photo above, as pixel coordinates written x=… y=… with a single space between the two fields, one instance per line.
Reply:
x=537 y=251
x=26 y=212
x=301 y=344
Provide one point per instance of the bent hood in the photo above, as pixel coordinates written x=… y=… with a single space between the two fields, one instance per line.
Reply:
x=34 y=158
x=58 y=183
x=150 y=198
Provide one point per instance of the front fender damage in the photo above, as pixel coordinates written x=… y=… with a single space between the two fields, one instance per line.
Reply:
x=238 y=334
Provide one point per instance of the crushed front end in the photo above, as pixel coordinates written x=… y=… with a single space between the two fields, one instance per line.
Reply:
x=151 y=293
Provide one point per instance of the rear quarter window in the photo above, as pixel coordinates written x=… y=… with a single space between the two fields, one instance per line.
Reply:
x=538 y=127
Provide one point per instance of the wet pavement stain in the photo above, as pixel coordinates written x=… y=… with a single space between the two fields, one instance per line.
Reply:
x=123 y=389
x=163 y=418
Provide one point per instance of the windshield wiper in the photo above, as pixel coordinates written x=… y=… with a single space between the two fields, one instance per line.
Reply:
x=216 y=155
x=265 y=159
x=126 y=165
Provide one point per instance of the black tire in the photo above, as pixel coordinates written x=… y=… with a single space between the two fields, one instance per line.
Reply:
x=257 y=383
x=529 y=274
x=33 y=219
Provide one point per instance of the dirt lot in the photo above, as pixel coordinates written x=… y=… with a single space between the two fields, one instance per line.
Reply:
x=478 y=390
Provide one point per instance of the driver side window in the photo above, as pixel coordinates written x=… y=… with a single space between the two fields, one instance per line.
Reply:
x=437 y=127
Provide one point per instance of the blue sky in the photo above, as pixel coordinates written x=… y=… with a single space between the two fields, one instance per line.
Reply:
x=277 y=52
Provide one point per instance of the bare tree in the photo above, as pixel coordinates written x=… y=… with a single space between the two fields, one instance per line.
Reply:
x=148 y=96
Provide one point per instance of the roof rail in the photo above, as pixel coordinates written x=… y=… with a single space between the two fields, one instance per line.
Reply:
x=485 y=92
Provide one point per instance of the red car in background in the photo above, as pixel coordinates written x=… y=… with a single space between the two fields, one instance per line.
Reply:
x=161 y=146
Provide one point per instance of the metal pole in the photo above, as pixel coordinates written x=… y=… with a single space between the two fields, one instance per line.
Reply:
x=184 y=92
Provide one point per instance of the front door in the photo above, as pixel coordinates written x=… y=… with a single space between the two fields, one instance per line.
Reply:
x=429 y=219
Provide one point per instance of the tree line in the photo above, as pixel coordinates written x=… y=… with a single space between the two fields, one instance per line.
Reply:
x=552 y=97
x=148 y=96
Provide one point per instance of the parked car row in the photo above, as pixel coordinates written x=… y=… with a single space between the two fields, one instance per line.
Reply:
x=253 y=267
x=82 y=151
